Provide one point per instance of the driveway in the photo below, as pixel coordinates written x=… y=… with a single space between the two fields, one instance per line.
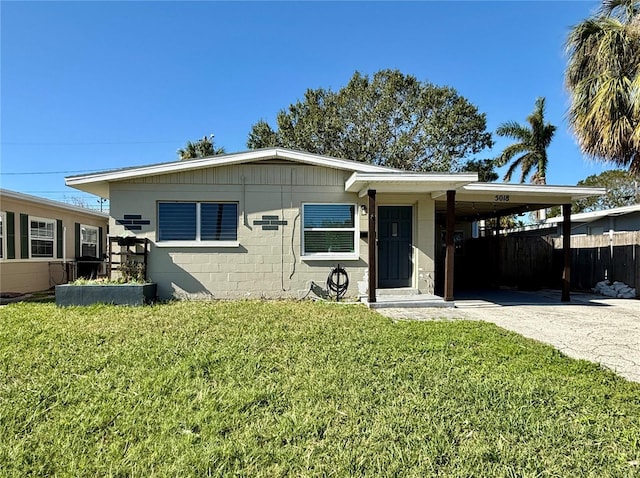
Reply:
x=590 y=327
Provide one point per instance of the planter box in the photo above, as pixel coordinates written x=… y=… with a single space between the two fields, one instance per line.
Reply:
x=120 y=294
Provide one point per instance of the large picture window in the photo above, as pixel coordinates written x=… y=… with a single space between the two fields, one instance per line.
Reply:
x=41 y=237
x=197 y=222
x=88 y=241
x=329 y=230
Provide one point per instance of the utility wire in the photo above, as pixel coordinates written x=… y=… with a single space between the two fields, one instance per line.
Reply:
x=57 y=191
x=84 y=143
x=48 y=172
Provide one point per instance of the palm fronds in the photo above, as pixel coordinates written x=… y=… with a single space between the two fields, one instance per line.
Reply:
x=529 y=152
x=603 y=79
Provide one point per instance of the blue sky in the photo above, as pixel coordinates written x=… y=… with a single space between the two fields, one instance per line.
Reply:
x=98 y=85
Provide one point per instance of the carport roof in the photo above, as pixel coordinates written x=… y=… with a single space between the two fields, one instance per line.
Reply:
x=485 y=200
x=474 y=200
x=407 y=182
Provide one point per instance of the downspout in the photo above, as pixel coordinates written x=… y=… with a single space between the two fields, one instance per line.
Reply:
x=244 y=204
x=282 y=239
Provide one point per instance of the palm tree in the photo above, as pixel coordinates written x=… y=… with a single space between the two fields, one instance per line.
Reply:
x=530 y=150
x=200 y=149
x=603 y=78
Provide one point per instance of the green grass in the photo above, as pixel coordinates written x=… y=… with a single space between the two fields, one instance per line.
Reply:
x=298 y=389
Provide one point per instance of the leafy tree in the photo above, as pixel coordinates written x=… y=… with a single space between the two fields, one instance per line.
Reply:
x=200 y=149
x=262 y=136
x=484 y=168
x=389 y=119
x=622 y=190
x=603 y=78
x=530 y=150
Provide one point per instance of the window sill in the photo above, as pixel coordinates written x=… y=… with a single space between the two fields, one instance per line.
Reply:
x=209 y=244
x=330 y=257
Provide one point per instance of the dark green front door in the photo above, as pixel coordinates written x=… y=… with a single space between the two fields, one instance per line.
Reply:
x=395 y=264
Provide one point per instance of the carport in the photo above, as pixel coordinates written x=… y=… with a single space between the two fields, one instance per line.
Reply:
x=478 y=201
x=455 y=198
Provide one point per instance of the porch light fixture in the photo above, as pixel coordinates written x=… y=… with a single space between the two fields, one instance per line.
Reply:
x=363 y=209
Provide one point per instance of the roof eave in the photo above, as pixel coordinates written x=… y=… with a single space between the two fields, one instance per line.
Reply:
x=51 y=203
x=407 y=182
x=214 y=161
x=585 y=217
x=571 y=193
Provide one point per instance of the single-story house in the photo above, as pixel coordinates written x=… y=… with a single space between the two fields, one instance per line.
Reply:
x=594 y=223
x=272 y=222
x=614 y=220
x=41 y=239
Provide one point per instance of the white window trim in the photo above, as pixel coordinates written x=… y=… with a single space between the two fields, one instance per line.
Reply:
x=53 y=240
x=3 y=235
x=198 y=242
x=329 y=256
x=97 y=243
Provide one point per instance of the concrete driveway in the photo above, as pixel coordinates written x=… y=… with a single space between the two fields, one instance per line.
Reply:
x=590 y=327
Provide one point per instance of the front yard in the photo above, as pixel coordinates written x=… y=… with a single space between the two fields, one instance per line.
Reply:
x=298 y=389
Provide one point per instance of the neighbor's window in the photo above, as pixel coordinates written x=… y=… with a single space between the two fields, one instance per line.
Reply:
x=328 y=229
x=41 y=237
x=197 y=221
x=88 y=241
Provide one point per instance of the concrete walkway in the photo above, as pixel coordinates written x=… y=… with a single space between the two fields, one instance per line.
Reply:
x=590 y=327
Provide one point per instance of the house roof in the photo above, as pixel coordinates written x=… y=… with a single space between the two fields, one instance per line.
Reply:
x=593 y=215
x=6 y=193
x=473 y=199
x=97 y=183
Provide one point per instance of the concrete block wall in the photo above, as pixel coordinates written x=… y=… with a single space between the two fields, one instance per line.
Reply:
x=266 y=263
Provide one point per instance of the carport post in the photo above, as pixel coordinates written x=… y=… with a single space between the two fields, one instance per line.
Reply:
x=450 y=246
x=566 y=249
x=497 y=253
x=371 y=193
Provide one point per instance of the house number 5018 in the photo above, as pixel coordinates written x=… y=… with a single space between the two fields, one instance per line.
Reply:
x=502 y=198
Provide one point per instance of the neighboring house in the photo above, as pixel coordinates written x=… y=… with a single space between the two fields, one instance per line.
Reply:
x=615 y=220
x=607 y=221
x=40 y=239
x=269 y=223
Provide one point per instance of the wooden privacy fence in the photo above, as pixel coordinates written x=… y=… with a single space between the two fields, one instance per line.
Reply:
x=514 y=261
x=613 y=257
x=530 y=262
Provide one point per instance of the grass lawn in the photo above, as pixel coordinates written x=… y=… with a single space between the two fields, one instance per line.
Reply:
x=298 y=389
